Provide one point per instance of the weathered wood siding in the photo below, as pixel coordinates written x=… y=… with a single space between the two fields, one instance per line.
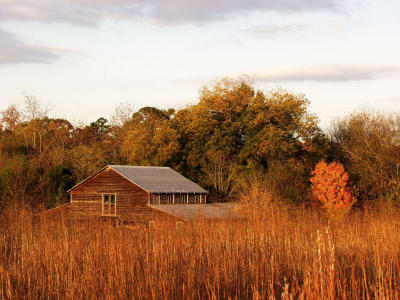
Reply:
x=55 y=214
x=131 y=200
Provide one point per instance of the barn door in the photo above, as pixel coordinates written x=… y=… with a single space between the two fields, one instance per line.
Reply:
x=109 y=207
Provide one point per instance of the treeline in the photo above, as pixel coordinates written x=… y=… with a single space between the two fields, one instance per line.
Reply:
x=234 y=137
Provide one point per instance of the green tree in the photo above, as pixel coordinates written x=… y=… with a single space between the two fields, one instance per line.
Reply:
x=99 y=127
x=59 y=180
x=151 y=139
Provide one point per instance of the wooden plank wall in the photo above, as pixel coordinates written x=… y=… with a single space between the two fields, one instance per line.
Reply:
x=58 y=213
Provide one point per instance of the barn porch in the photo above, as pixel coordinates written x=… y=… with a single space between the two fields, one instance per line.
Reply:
x=178 y=198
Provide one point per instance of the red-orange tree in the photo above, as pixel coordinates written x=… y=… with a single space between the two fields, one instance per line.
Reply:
x=330 y=186
x=10 y=117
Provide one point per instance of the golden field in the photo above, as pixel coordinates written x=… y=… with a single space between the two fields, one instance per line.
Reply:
x=282 y=253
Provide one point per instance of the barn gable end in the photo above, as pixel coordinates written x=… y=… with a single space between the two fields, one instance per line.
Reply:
x=131 y=200
x=87 y=197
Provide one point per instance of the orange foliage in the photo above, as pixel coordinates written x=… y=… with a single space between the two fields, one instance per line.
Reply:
x=330 y=186
x=10 y=117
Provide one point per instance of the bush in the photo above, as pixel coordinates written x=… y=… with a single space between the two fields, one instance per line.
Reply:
x=330 y=187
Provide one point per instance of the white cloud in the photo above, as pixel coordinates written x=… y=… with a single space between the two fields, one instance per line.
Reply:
x=91 y=12
x=272 y=30
x=336 y=73
x=13 y=50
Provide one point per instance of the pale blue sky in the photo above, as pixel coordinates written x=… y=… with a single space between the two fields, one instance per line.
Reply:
x=86 y=56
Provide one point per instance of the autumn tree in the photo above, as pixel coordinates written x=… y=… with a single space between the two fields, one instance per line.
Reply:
x=18 y=181
x=222 y=174
x=33 y=132
x=369 y=144
x=84 y=161
x=279 y=123
x=150 y=139
x=93 y=133
x=10 y=117
x=35 y=120
x=57 y=138
x=235 y=124
x=330 y=187
x=123 y=113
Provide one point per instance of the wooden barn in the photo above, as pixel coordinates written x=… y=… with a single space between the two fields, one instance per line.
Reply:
x=132 y=193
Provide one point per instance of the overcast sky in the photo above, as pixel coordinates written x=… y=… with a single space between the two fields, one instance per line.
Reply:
x=86 y=56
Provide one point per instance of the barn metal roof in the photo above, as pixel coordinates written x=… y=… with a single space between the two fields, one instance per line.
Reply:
x=158 y=179
x=202 y=211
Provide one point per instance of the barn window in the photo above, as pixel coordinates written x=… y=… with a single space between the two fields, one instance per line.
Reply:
x=109 y=204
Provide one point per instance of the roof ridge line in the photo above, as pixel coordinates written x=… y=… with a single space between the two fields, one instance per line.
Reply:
x=129 y=166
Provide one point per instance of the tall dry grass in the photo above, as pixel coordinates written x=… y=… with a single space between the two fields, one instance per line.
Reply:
x=284 y=254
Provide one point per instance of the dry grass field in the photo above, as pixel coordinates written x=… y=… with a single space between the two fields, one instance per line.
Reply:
x=283 y=254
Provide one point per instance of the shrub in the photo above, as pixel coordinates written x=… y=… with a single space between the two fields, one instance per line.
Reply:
x=330 y=187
